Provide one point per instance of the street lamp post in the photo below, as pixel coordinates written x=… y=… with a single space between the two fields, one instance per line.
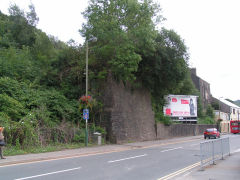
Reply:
x=219 y=108
x=86 y=128
x=219 y=116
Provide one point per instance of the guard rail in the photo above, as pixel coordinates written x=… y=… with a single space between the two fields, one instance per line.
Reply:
x=213 y=150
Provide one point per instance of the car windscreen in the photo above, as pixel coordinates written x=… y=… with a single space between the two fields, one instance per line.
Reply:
x=211 y=130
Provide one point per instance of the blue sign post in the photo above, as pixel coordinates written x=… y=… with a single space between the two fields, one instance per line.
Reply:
x=86 y=117
x=85 y=114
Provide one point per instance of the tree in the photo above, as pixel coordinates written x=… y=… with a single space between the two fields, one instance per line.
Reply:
x=164 y=71
x=14 y=10
x=32 y=16
x=22 y=32
x=123 y=28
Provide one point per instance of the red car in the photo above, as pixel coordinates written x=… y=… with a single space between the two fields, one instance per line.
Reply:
x=211 y=132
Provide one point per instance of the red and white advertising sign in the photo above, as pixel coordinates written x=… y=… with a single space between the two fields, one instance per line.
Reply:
x=181 y=106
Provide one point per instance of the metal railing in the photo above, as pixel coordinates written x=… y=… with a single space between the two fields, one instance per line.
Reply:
x=213 y=150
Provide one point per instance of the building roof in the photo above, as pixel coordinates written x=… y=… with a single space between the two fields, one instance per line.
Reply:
x=183 y=96
x=229 y=103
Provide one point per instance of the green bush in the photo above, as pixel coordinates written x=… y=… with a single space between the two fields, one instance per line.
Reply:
x=11 y=107
x=101 y=130
x=209 y=111
x=206 y=120
x=18 y=64
x=166 y=120
x=207 y=117
x=79 y=136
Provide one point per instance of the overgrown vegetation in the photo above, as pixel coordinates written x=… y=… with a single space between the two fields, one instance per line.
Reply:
x=160 y=117
x=42 y=80
x=207 y=117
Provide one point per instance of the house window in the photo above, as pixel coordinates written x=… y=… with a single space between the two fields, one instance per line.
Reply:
x=233 y=111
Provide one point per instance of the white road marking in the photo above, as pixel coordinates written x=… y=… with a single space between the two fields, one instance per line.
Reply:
x=238 y=150
x=127 y=158
x=195 y=144
x=172 y=149
x=56 y=172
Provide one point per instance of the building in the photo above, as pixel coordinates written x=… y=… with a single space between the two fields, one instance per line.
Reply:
x=203 y=87
x=225 y=106
x=227 y=111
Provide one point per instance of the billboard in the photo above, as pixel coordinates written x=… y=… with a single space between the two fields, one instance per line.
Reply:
x=180 y=106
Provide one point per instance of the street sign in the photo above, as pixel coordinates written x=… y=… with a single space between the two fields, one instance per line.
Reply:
x=85 y=113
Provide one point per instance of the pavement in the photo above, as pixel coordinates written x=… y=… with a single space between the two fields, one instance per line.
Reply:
x=229 y=168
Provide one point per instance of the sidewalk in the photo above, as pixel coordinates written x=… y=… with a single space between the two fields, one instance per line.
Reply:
x=227 y=169
x=71 y=153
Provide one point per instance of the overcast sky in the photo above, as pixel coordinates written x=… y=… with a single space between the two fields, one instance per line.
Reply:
x=210 y=29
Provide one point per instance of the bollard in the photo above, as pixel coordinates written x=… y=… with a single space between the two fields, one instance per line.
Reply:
x=99 y=138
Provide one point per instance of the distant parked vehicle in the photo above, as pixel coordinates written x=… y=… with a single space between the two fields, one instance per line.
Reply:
x=211 y=133
x=235 y=126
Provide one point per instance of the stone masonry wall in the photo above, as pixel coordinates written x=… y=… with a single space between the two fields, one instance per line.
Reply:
x=128 y=113
x=178 y=130
x=128 y=116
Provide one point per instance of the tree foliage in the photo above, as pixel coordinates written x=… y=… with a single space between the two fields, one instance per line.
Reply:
x=131 y=48
x=123 y=29
x=167 y=67
x=166 y=71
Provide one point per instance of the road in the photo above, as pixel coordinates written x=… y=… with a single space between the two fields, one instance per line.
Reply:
x=143 y=163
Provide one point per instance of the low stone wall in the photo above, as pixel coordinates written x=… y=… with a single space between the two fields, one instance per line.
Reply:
x=178 y=130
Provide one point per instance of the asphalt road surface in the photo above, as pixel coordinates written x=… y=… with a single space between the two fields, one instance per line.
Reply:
x=148 y=163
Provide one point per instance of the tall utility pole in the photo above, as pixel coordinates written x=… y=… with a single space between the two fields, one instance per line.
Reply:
x=86 y=128
x=86 y=68
x=219 y=108
x=219 y=116
x=94 y=39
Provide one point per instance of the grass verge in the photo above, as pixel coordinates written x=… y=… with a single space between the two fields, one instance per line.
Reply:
x=13 y=150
